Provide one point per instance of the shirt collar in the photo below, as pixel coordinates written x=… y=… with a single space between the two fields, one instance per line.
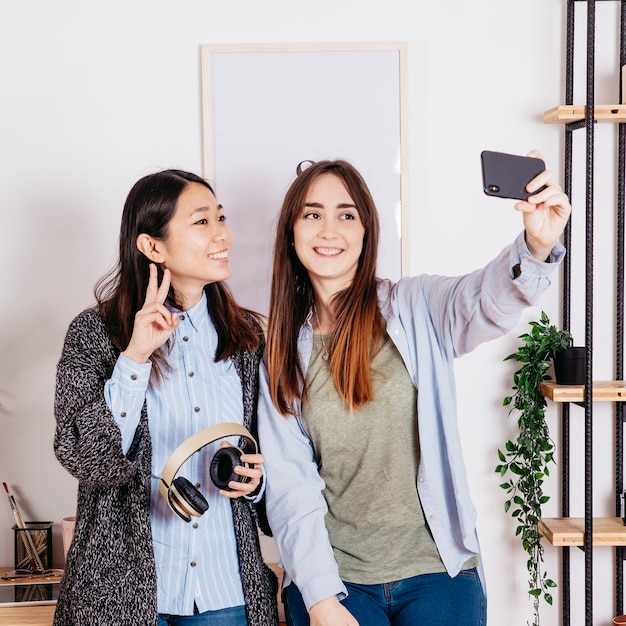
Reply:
x=197 y=315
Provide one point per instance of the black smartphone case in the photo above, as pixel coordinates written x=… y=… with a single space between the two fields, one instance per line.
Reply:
x=506 y=175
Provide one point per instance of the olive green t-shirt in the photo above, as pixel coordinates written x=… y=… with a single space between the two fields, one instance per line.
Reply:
x=368 y=460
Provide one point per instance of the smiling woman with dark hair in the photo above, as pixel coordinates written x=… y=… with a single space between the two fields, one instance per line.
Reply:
x=166 y=353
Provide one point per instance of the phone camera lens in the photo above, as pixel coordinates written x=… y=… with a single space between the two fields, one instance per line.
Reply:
x=494 y=188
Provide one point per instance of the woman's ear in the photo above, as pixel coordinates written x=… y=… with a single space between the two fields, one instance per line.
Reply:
x=149 y=246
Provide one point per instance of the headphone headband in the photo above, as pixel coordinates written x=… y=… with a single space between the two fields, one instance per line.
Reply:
x=193 y=444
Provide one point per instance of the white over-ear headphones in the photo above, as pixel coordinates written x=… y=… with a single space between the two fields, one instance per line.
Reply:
x=183 y=498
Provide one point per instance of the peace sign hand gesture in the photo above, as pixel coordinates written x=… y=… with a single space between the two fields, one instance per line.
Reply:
x=154 y=323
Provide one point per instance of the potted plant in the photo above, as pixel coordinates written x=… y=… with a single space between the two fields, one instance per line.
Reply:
x=569 y=365
x=525 y=461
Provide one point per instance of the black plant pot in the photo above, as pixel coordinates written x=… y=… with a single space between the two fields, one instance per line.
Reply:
x=569 y=366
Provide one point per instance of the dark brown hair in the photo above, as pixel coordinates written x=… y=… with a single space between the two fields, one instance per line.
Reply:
x=359 y=327
x=149 y=207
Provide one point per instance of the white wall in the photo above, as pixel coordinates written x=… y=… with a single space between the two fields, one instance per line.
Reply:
x=94 y=96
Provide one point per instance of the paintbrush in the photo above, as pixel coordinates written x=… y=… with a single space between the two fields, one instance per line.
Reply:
x=28 y=544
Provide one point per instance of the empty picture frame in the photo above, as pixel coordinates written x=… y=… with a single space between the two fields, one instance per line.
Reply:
x=268 y=107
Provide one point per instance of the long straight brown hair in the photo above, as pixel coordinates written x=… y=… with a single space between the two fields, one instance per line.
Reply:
x=149 y=207
x=359 y=328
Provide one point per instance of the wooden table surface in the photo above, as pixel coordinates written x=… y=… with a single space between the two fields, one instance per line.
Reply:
x=28 y=615
x=41 y=615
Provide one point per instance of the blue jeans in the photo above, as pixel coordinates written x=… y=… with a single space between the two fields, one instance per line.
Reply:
x=426 y=600
x=232 y=616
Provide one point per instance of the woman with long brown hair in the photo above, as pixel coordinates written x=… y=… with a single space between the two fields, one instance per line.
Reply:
x=166 y=353
x=367 y=494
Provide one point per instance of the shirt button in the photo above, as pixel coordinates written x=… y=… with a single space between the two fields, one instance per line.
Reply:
x=181 y=317
x=196 y=409
x=185 y=338
x=123 y=414
x=421 y=479
x=195 y=525
x=190 y=374
x=197 y=485
x=396 y=332
x=133 y=376
x=433 y=517
x=193 y=564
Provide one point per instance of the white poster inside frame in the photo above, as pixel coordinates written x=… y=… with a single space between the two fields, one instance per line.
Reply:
x=268 y=107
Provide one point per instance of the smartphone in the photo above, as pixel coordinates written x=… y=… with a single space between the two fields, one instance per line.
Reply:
x=506 y=175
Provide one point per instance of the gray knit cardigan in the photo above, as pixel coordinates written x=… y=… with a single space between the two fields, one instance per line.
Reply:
x=110 y=576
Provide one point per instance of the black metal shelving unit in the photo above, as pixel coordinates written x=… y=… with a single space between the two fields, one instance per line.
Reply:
x=582 y=119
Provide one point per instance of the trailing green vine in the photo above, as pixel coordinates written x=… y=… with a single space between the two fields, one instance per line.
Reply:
x=525 y=462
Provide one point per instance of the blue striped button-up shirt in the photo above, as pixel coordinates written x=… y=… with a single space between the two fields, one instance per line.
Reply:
x=196 y=562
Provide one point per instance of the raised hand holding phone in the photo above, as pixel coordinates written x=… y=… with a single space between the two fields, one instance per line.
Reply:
x=545 y=207
x=545 y=212
x=154 y=322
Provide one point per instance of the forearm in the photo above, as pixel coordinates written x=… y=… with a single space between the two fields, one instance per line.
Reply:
x=484 y=304
x=125 y=394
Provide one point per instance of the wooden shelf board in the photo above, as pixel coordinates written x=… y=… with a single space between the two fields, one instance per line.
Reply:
x=565 y=114
x=570 y=531
x=603 y=391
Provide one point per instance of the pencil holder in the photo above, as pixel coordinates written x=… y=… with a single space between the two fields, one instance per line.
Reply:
x=33 y=542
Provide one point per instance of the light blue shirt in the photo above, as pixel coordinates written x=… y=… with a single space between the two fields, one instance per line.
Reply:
x=431 y=320
x=195 y=562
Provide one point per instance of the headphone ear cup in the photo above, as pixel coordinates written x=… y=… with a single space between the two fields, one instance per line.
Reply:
x=222 y=465
x=187 y=497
